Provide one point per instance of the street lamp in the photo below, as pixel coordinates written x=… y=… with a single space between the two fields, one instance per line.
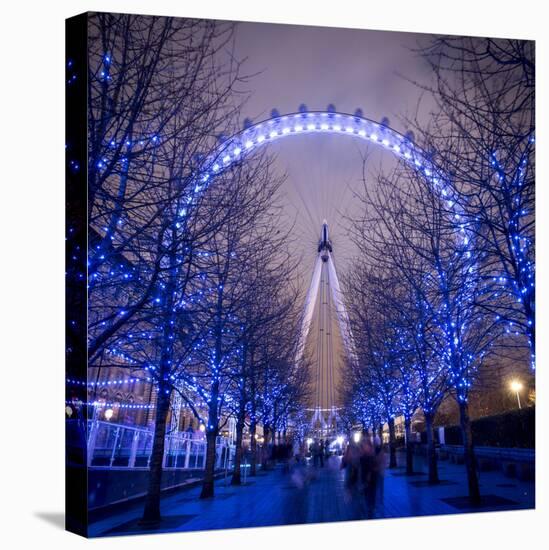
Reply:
x=516 y=386
x=356 y=437
x=108 y=414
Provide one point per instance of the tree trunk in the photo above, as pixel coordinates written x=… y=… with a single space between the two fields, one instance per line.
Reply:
x=212 y=430
x=392 y=444
x=253 y=449
x=469 y=454
x=431 y=451
x=238 y=449
x=209 y=470
x=265 y=447
x=409 y=446
x=151 y=512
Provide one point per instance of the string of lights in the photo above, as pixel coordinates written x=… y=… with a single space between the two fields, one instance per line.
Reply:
x=102 y=404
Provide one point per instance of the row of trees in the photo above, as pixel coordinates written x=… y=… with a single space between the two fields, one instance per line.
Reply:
x=445 y=276
x=188 y=283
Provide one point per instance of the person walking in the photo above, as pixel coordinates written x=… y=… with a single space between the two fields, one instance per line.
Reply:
x=374 y=494
x=350 y=462
x=321 y=453
x=367 y=455
x=315 y=451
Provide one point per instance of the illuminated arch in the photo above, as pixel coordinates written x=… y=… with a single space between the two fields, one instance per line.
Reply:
x=236 y=148
x=245 y=142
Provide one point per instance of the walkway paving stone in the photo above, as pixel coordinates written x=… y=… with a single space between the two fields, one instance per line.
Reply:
x=311 y=496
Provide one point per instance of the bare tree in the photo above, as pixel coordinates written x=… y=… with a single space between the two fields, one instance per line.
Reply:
x=268 y=310
x=482 y=138
x=160 y=90
x=154 y=107
x=407 y=217
x=242 y=200
x=375 y=366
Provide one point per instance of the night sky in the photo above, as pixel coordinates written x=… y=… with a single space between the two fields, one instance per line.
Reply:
x=318 y=66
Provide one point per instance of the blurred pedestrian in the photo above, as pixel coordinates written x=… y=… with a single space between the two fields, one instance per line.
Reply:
x=315 y=451
x=377 y=441
x=350 y=462
x=374 y=491
x=321 y=451
x=366 y=461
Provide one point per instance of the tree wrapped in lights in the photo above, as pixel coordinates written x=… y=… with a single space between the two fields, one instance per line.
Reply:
x=242 y=207
x=284 y=388
x=430 y=377
x=154 y=106
x=267 y=309
x=409 y=391
x=159 y=90
x=419 y=234
x=483 y=135
x=375 y=368
x=424 y=382
x=290 y=384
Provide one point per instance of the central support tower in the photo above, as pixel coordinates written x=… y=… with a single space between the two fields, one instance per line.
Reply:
x=325 y=288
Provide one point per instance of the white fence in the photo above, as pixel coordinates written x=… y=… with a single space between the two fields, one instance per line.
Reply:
x=118 y=446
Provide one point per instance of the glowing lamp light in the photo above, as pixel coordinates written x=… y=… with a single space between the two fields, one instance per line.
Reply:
x=339 y=439
x=108 y=414
x=356 y=437
x=309 y=441
x=202 y=428
x=516 y=385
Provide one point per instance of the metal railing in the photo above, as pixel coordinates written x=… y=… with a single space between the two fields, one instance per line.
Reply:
x=119 y=446
x=496 y=453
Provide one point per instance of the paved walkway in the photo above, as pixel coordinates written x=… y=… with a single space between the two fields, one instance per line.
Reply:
x=312 y=496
